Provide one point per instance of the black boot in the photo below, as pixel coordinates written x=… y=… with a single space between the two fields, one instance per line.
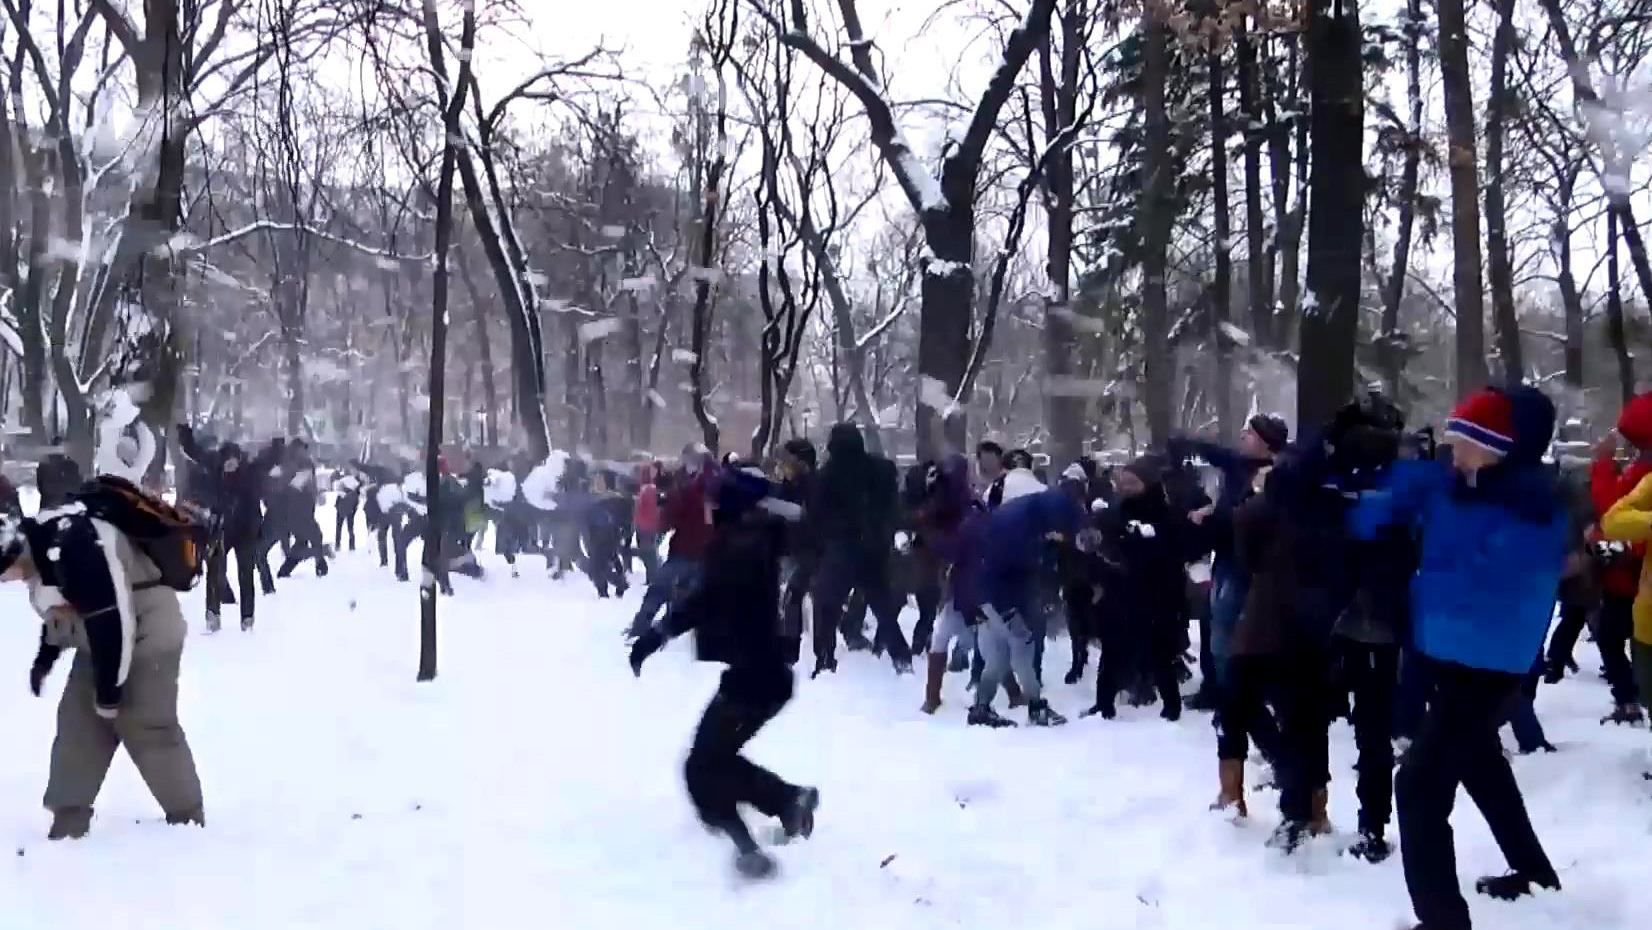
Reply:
x=799 y=819
x=1371 y=846
x=982 y=715
x=1514 y=886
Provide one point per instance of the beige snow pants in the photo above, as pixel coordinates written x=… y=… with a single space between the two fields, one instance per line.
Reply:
x=147 y=723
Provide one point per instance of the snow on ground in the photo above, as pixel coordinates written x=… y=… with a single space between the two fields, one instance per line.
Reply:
x=537 y=784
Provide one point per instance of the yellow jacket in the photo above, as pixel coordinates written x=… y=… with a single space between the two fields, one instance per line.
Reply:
x=1630 y=520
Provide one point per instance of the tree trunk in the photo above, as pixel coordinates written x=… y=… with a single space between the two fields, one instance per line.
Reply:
x=1571 y=301
x=1336 y=224
x=1158 y=367
x=1391 y=344
x=484 y=344
x=1059 y=91
x=1615 y=330
x=1500 y=271
x=1465 y=198
x=1289 y=158
x=1221 y=289
x=1256 y=269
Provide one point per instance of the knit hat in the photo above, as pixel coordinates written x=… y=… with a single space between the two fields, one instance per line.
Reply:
x=1635 y=422
x=1486 y=419
x=1271 y=430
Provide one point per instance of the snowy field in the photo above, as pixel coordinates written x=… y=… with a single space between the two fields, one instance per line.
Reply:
x=537 y=784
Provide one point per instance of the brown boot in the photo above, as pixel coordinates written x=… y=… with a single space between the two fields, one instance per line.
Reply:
x=932 y=685
x=70 y=823
x=1232 y=797
x=1013 y=689
x=1320 y=823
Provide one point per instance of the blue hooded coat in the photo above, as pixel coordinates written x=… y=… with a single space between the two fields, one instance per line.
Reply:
x=1012 y=546
x=1491 y=552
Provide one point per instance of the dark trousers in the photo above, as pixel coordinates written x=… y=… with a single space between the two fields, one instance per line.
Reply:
x=1615 y=626
x=345 y=520
x=602 y=560
x=307 y=540
x=928 y=578
x=246 y=556
x=1528 y=730
x=406 y=527
x=1131 y=645
x=1458 y=745
x=838 y=573
x=1574 y=616
x=798 y=582
x=1303 y=696
x=1242 y=716
x=1082 y=620
x=719 y=778
x=1371 y=673
x=648 y=550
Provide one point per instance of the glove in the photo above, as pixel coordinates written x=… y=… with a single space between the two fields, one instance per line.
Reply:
x=646 y=645
x=107 y=713
x=37 y=678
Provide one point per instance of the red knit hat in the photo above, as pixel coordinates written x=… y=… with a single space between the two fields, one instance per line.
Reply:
x=1635 y=422
x=1485 y=418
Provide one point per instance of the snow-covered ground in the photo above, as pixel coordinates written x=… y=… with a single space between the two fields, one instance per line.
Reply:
x=537 y=784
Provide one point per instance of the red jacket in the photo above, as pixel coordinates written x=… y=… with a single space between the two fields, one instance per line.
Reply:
x=685 y=517
x=646 y=518
x=1607 y=486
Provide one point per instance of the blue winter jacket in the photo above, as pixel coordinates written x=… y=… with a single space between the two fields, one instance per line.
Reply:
x=1491 y=558
x=1012 y=545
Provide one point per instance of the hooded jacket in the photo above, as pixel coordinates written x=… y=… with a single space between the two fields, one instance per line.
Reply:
x=1630 y=520
x=1012 y=546
x=1146 y=548
x=855 y=499
x=1607 y=486
x=1491 y=553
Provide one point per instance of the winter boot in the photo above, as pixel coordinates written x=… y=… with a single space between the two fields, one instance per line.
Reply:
x=246 y=624
x=1040 y=714
x=1105 y=711
x=755 y=864
x=70 y=823
x=1231 y=773
x=982 y=715
x=799 y=819
x=1012 y=689
x=1289 y=836
x=213 y=624
x=1074 y=673
x=1203 y=699
x=1319 y=824
x=1372 y=846
x=902 y=666
x=194 y=818
x=1625 y=715
x=932 y=684
x=321 y=568
x=824 y=664
x=1514 y=886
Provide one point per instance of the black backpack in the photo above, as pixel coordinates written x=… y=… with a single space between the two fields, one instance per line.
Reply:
x=175 y=540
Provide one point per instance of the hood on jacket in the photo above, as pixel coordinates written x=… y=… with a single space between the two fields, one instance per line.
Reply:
x=803 y=451
x=1534 y=419
x=1635 y=422
x=845 y=442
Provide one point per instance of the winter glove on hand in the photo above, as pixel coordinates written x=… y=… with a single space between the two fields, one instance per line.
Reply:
x=646 y=645
x=37 y=678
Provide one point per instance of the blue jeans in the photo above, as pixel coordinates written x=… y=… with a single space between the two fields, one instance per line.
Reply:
x=1227 y=599
x=674 y=578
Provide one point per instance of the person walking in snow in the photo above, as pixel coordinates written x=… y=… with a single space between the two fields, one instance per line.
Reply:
x=1620 y=572
x=646 y=522
x=854 y=513
x=954 y=542
x=734 y=613
x=298 y=508
x=1011 y=550
x=100 y=595
x=346 y=503
x=685 y=513
x=230 y=489
x=606 y=514
x=1494 y=540
x=1145 y=543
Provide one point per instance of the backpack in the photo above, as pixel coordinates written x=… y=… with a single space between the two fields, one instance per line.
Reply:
x=175 y=540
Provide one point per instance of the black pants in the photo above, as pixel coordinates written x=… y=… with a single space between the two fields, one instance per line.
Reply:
x=719 y=778
x=1242 y=714
x=802 y=578
x=307 y=540
x=1616 y=625
x=1134 y=646
x=602 y=560
x=1458 y=745
x=1574 y=616
x=345 y=520
x=1303 y=697
x=406 y=527
x=246 y=555
x=1371 y=673
x=837 y=574
x=1082 y=619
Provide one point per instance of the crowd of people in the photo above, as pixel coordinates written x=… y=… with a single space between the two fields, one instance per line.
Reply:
x=1363 y=571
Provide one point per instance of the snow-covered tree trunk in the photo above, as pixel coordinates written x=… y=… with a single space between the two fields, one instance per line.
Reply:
x=1336 y=221
x=1464 y=164
x=1154 y=220
x=1499 y=105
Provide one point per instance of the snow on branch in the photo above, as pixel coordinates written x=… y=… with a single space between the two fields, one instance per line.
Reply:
x=273 y=226
x=1022 y=42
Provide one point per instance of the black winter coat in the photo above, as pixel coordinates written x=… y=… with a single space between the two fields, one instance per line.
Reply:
x=735 y=610
x=234 y=496
x=855 y=505
x=1145 y=575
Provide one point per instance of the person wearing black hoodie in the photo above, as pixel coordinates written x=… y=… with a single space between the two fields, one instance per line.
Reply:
x=796 y=467
x=1144 y=541
x=853 y=512
x=298 y=509
x=231 y=487
x=733 y=612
